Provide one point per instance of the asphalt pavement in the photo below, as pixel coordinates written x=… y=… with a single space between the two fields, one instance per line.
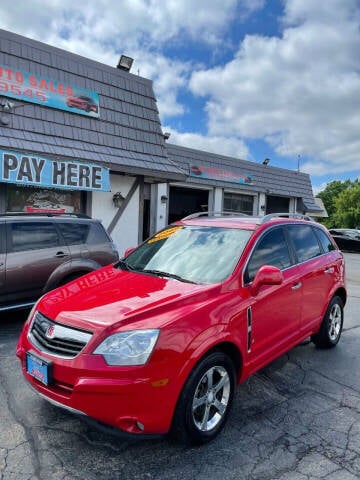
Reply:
x=297 y=419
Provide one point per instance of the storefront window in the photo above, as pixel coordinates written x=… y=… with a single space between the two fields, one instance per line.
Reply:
x=235 y=202
x=31 y=200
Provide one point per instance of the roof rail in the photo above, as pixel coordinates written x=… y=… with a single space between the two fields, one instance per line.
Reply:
x=44 y=214
x=298 y=216
x=214 y=214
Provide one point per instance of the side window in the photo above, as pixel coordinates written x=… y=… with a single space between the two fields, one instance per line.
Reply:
x=74 y=233
x=32 y=236
x=305 y=242
x=97 y=234
x=2 y=237
x=272 y=250
x=325 y=241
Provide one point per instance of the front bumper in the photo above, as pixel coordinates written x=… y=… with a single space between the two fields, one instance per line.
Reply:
x=132 y=399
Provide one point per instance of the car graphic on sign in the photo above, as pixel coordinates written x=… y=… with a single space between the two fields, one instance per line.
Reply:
x=82 y=102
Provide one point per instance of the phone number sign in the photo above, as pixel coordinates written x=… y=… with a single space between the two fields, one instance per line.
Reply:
x=50 y=93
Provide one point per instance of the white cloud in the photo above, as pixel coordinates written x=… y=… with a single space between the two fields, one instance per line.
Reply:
x=300 y=92
x=122 y=23
x=104 y=29
x=229 y=146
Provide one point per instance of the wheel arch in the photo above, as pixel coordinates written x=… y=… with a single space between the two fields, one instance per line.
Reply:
x=231 y=350
x=225 y=346
x=204 y=349
x=72 y=267
x=341 y=292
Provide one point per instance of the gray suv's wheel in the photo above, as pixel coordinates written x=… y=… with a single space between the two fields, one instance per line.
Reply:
x=331 y=327
x=205 y=401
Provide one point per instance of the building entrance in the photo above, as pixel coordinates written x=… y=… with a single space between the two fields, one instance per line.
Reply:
x=185 y=201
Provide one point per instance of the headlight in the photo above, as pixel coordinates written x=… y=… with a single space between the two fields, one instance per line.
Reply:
x=128 y=348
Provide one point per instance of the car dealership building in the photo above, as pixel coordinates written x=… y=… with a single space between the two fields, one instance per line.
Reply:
x=80 y=136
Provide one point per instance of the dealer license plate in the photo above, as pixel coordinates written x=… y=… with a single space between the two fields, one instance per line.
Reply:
x=39 y=368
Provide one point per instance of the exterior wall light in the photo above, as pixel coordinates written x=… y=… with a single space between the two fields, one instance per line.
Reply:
x=118 y=199
x=163 y=198
x=125 y=63
x=6 y=105
x=266 y=161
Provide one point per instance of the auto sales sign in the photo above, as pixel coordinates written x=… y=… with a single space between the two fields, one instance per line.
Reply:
x=32 y=88
x=28 y=169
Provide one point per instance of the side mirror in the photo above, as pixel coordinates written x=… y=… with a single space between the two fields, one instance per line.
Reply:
x=266 y=275
x=128 y=251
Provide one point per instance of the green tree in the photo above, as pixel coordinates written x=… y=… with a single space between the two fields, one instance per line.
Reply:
x=330 y=193
x=347 y=208
x=329 y=196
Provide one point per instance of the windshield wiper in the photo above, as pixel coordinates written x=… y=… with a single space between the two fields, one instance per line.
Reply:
x=160 y=273
x=124 y=265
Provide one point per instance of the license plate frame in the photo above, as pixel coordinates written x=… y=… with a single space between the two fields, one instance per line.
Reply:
x=39 y=368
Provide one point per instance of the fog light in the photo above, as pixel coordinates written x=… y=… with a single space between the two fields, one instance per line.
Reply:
x=130 y=424
x=140 y=426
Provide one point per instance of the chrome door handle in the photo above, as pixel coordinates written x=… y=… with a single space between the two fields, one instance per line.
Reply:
x=329 y=270
x=296 y=286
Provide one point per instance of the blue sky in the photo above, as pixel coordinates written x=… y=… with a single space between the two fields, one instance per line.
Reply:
x=245 y=78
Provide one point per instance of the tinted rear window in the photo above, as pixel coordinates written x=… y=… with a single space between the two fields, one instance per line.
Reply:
x=305 y=242
x=33 y=236
x=325 y=241
x=97 y=234
x=83 y=233
x=74 y=233
x=2 y=237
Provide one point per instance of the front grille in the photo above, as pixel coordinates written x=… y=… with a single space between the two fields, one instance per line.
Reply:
x=57 y=339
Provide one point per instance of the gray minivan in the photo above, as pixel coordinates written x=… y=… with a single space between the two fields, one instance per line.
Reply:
x=41 y=252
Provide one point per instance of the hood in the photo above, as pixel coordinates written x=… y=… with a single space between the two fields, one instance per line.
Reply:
x=110 y=296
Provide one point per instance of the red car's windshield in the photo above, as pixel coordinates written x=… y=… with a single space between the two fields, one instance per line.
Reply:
x=196 y=254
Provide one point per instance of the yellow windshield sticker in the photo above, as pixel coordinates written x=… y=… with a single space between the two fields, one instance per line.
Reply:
x=164 y=234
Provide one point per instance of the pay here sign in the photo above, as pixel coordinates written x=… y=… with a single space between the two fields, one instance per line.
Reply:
x=27 y=169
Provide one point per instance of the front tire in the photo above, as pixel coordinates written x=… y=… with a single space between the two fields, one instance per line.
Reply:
x=205 y=400
x=331 y=327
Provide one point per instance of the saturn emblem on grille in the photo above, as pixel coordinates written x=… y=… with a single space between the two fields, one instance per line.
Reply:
x=50 y=332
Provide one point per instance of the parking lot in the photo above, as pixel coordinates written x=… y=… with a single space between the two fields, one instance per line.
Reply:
x=297 y=419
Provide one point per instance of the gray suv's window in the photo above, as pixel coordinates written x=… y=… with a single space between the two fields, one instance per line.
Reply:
x=2 y=237
x=74 y=233
x=272 y=250
x=97 y=235
x=32 y=236
x=83 y=233
x=305 y=242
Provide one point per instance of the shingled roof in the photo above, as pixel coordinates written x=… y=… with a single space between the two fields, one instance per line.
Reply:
x=265 y=178
x=127 y=137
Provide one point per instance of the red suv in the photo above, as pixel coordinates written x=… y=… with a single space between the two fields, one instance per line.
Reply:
x=157 y=342
x=82 y=103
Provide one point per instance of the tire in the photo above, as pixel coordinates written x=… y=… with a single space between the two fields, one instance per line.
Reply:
x=331 y=326
x=205 y=401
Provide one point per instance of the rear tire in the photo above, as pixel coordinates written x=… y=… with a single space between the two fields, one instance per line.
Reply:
x=331 y=327
x=205 y=401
